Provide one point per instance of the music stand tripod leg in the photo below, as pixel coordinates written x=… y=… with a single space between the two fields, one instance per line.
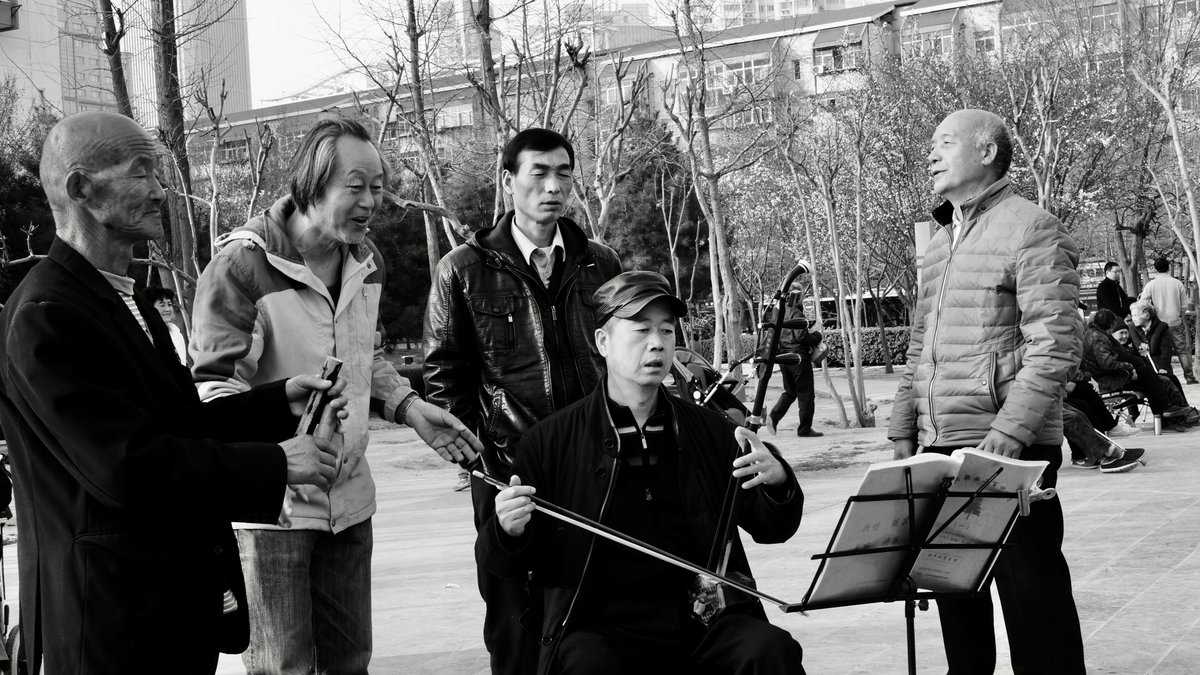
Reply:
x=910 y=620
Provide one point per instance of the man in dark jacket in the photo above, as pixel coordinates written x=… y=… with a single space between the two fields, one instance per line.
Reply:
x=995 y=338
x=1110 y=295
x=797 y=379
x=123 y=569
x=508 y=339
x=653 y=466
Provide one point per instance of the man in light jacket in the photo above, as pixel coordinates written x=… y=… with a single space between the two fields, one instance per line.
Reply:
x=298 y=283
x=995 y=338
x=1169 y=300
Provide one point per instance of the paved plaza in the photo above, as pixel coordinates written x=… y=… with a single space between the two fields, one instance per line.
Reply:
x=1132 y=542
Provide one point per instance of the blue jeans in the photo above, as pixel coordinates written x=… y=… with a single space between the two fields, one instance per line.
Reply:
x=309 y=598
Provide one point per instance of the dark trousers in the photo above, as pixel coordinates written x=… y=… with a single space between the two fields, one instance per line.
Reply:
x=512 y=648
x=735 y=644
x=1088 y=401
x=1034 y=585
x=797 y=386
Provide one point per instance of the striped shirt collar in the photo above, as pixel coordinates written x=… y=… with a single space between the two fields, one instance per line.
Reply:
x=123 y=285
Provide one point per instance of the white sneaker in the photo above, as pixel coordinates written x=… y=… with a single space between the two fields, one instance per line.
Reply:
x=1123 y=430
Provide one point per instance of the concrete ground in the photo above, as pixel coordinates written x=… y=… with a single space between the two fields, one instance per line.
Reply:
x=1133 y=542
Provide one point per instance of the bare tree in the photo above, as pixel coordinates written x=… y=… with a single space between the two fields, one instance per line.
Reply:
x=610 y=127
x=687 y=103
x=1165 y=69
x=110 y=45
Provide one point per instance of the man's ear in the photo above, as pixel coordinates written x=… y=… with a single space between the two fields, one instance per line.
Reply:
x=506 y=178
x=602 y=342
x=79 y=186
x=989 y=154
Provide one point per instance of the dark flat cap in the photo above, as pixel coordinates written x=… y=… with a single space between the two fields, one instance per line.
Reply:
x=628 y=293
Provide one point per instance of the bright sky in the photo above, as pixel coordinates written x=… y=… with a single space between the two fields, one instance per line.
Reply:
x=290 y=44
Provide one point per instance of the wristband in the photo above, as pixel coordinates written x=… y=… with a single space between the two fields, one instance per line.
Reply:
x=404 y=405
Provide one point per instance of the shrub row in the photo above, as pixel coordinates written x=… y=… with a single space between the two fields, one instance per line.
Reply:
x=872 y=346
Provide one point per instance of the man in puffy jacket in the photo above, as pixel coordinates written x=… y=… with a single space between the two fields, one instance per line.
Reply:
x=657 y=468
x=508 y=339
x=995 y=338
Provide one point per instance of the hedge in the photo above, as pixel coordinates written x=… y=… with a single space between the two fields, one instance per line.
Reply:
x=872 y=346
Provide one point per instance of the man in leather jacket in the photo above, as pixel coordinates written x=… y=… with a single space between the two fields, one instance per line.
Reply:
x=657 y=468
x=508 y=339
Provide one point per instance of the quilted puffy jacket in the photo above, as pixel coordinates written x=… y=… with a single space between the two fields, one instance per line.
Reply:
x=995 y=332
x=488 y=347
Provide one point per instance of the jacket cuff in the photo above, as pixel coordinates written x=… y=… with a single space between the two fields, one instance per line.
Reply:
x=509 y=544
x=1017 y=432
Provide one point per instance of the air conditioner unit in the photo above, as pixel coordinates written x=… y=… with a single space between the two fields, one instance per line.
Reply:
x=8 y=16
x=819 y=69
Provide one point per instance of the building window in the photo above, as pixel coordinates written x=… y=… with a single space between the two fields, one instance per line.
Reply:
x=728 y=79
x=393 y=132
x=985 y=41
x=1105 y=64
x=608 y=97
x=928 y=42
x=1104 y=17
x=837 y=59
x=799 y=68
x=233 y=150
x=1018 y=28
x=1184 y=8
x=452 y=118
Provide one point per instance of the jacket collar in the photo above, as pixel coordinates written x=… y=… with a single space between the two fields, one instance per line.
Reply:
x=270 y=230
x=82 y=269
x=498 y=244
x=90 y=278
x=984 y=201
x=597 y=409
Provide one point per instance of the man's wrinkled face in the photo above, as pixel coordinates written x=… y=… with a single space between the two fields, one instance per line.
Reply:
x=956 y=162
x=353 y=194
x=639 y=350
x=126 y=199
x=541 y=186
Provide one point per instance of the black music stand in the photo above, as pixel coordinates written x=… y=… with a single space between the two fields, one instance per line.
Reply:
x=903 y=588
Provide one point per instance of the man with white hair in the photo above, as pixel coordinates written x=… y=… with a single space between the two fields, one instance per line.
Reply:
x=995 y=338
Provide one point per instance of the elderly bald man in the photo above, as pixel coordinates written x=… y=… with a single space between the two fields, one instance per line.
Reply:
x=994 y=341
x=122 y=568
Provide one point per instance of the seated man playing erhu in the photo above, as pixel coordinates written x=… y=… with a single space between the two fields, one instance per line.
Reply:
x=654 y=467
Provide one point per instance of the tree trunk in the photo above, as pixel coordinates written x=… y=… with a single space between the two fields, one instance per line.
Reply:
x=429 y=156
x=172 y=129
x=432 y=254
x=111 y=46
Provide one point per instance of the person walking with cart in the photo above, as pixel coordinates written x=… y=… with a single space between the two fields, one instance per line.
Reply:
x=798 y=378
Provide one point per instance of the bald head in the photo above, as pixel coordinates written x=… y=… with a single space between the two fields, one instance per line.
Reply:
x=88 y=142
x=984 y=127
